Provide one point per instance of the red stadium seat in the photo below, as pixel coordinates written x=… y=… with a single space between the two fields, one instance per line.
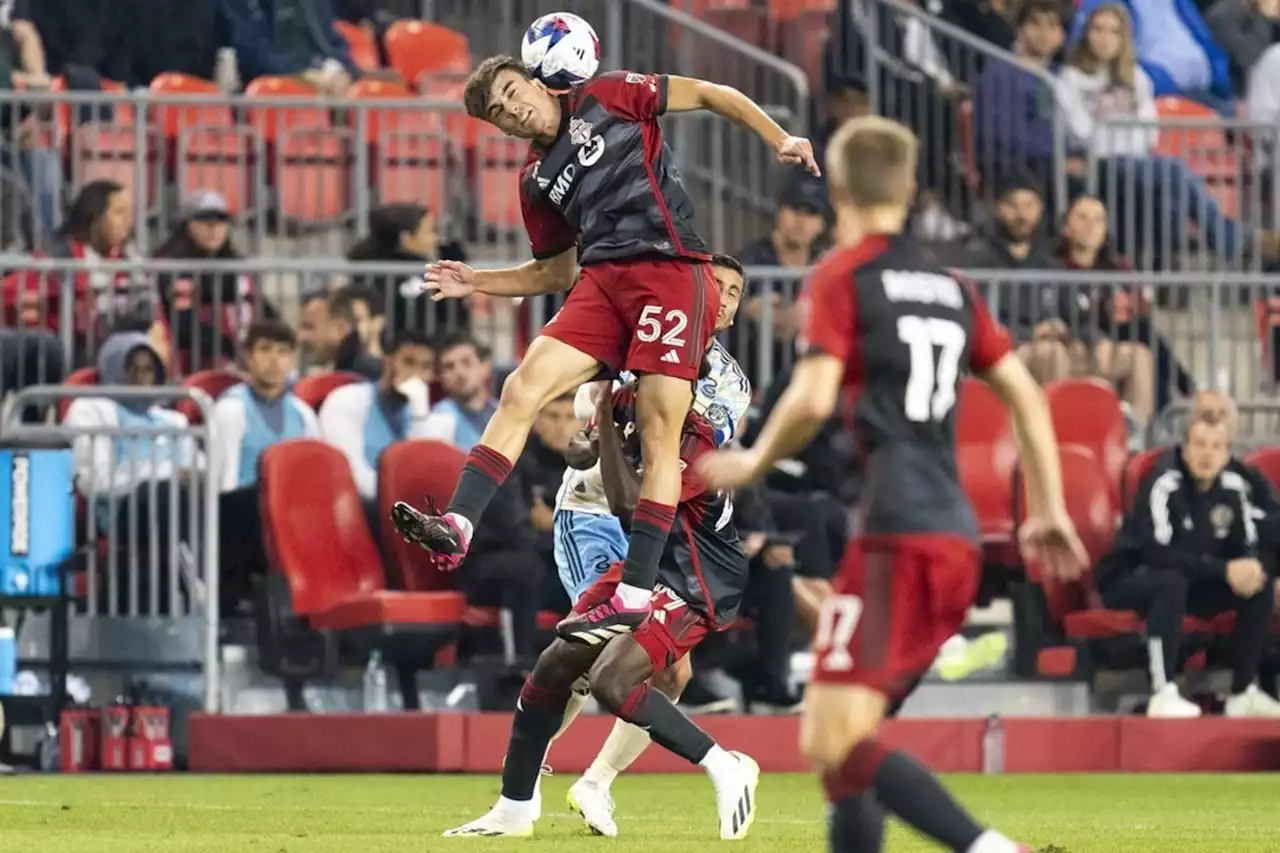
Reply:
x=415 y=48
x=499 y=159
x=212 y=382
x=1086 y=412
x=412 y=471
x=1134 y=472
x=319 y=545
x=1267 y=460
x=362 y=41
x=172 y=119
x=313 y=390
x=408 y=147
x=79 y=378
x=1205 y=148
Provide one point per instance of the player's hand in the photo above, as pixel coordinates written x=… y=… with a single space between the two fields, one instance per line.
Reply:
x=798 y=151
x=449 y=280
x=778 y=556
x=1246 y=577
x=753 y=543
x=729 y=469
x=1052 y=542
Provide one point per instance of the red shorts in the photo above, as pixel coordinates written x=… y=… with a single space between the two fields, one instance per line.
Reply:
x=894 y=602
x=646 y=316
x=672 y=630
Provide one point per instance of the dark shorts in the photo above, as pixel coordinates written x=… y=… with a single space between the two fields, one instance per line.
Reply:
x=672 y=630
x=894 y=602
x=646 y=316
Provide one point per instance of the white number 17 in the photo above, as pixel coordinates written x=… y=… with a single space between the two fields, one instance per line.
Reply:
x=931 y=385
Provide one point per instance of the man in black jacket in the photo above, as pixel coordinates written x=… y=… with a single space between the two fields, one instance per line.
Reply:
x=1191 y=545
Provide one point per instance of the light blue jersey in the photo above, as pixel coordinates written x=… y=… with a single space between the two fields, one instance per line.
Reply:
x=588 y=537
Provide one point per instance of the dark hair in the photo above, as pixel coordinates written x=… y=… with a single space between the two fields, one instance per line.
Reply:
x=386 y=224
x=367 y=295
x=342 y=306
x=87 y=208
x=462 y=338
x=1109 y=258
x=729 y=262
x=271 y=331
x=476 y=93
x=408 y=338
x=1035 y=8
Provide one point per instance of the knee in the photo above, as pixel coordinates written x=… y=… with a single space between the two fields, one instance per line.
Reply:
x=1170 y=586
x=554 y=670
x=827 y=743
x=611 y=689
x=672 y=681
x=521 y=395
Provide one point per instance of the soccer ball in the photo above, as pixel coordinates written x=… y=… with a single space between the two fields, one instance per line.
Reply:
x=561 y=50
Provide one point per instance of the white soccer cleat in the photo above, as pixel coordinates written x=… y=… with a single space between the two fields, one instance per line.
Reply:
x=736 y=799
x=1168 y=704
x=1251 y=703
x=497 y=823
x=594 y=805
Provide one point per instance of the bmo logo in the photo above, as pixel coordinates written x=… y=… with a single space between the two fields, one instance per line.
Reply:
x=20 y=506
x=564 y=182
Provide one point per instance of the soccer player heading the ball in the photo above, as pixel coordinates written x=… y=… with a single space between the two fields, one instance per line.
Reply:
x=599 y=185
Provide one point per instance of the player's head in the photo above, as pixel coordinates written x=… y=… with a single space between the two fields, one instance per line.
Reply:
x=271 y=350
x=502 y=92
x=871 y=164
x=410 y=356
x=1207 y=450
x=732 y=280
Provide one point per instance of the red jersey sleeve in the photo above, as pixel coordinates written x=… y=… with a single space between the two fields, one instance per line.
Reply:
x=629 y=95
x=549 y=233
x=989 y=341
x=828 y=310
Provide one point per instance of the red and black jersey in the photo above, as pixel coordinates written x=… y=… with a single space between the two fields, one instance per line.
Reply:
x=703 y=562
x=609 y=181
x=907 y=330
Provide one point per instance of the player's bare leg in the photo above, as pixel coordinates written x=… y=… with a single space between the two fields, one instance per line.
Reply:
x=862 y=779
x=662 y=403
x=538 y=715
x=620 y=683
x=549 y=369
x=590 y=796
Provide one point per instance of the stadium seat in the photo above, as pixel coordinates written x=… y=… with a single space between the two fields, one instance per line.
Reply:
x=1267 y=460
x=986 y=456
x=415 y=48
x=80 y=378
x=171 y=119
x=313 y=390
x=1206 y=149
x=499 y=160
x=212 y=382
x=362 y=41
x=1086 y=412
x=1134 y=471
x=328 y=576
x=409 y=151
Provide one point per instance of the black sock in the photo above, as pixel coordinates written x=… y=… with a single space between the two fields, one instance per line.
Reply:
x=666 y=724
x=915 y=795
x=484 y=472
x=650 y=525
x=856 y=824
x=538 y=716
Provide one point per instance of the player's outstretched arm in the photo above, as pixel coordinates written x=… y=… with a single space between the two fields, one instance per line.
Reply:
x=808 y=402
x=455 y=280
x=685 y=94
x=620 y=479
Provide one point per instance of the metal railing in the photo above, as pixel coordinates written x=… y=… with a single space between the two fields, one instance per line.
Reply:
x=150 y=524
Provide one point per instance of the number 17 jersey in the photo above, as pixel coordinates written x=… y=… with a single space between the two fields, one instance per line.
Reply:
x=907 y=331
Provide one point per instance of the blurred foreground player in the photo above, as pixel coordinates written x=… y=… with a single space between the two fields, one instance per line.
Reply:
x=702 y=575
x=893 y=330
x=599 y=187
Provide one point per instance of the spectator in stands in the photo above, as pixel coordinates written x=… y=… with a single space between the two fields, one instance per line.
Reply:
x=465 y=371
x=1098 y=321
x=1262 y=106
x=329 y=336
x=287 y=37
x=22 y=67
x=370 y=320
x=163 y=36
x=1191 y=545
x=208 y=311
x=1216 y=406
x=363 y=418
x=132 y=481
x=407 y=233
x=99 y=227
x=992 y=21
x=1175 y=48
x=1101 y=82
x=1013 y=106
x=248 y=419
x=1244 y=29
x=30 y=357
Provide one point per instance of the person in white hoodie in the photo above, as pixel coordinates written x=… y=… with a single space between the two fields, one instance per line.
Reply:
x=1108 y=103
x=132 y=480
x=363 y=419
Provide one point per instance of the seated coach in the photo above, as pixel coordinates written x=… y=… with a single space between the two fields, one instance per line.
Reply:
x=1190 y=545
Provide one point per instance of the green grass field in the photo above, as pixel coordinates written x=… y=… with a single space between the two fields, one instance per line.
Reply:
x=368 y=814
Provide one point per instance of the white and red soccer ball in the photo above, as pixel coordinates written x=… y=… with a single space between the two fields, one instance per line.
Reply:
x=561 y=50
